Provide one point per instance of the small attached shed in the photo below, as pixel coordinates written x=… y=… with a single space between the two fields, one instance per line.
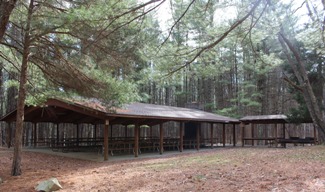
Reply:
x=93 y=112
x=277 y=137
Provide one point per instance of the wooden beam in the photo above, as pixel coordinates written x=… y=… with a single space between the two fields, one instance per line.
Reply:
x=211 y=134
x=78 y=134
x=35 y=133
x=11 y=117
x=224 y=135
x=78 y=108
x=181 y=138
x=150 y=131
x=152 y=122
x=9 y=135
x=111 y=128
x=315 y=135
x=68 y=116
x=136 y=140
x=126 y=131
x=161 y=138
x=95 y=131
x=284 y=133
x=57 y=133
x=253 y=135
x=198 y=128
x=276 y=134
x=51 y=113
x=234 y=134
x=265 y=131
x=284 y=130
x=106 y=140
x=242 y=125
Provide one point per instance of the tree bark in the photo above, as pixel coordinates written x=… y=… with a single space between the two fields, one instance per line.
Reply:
x=16 y=164
x=6 y=8
x=301 y=74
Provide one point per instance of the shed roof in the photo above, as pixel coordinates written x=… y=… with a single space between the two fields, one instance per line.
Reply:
x=64 y=111
x=265 y=119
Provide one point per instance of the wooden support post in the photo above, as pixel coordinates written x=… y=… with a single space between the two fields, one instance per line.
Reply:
x=125 y=131
x=150 y=133
x=211 y=134
x=95 y=131
x=315 y=135
x=139 y=133
x=276 y=134
x=136 y=140
x=9 y=135
x=35 y=133
x=284 y=134
x=198 y=128
x=161 y=140
x=242 y=125
x=78 y=134
x=253 y=127
x=106 y=140
x=284 y=130
x=265 y=135
x=234 y=134
x=224 y=135
x=111 y=132
x=57 y=134
x=181 y=141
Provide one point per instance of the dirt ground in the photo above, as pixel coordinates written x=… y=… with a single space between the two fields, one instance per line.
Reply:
x=220 y=169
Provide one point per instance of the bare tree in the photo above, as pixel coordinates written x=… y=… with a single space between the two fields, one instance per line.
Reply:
x=298 y=67
x=16 y=168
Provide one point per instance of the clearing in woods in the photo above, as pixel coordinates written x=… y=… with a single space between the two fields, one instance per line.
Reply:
x=220 y=169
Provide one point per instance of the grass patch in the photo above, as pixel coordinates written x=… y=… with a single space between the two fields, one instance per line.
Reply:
x=206 y=159
x=315 y=153
x=188 y=161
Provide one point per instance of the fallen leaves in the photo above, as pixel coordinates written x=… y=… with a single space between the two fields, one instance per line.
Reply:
x=230 y=169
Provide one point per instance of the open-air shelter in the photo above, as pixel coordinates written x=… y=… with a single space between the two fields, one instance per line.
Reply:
x=93 y=112
x=274 y=138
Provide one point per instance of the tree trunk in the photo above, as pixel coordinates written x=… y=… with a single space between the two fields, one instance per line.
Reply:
x=1 y=104
x=16 y=165
x=6 y=8
x=301 y=74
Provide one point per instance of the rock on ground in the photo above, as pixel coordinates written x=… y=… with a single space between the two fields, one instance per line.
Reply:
x=49 y=185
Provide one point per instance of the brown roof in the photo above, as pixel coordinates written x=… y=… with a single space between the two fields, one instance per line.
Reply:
x=161 y=111
x=64 y=111
x=265 y=119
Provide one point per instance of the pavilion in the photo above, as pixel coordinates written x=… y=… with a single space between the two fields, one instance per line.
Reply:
x=275 y=137
x=93 y=112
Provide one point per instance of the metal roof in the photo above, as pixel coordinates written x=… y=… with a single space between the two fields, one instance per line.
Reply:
x=160 y=111
x=280 y=118
x=73 y=111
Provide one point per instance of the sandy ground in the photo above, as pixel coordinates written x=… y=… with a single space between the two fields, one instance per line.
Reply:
x=220 y=169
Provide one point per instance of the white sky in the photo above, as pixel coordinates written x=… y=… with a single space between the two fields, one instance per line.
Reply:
x=164 y=12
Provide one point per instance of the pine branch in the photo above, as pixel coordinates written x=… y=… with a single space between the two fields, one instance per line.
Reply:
x=293 y=84
x=176 y=22
x=225 y=34
x=131 y=11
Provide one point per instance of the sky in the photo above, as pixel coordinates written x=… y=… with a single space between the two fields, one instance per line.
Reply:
x=164 y=12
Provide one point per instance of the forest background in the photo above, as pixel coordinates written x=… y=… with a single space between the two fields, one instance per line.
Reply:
x=233 y=58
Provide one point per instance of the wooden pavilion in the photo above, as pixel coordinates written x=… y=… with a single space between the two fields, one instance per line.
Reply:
x=277 y=137
x=93 y=112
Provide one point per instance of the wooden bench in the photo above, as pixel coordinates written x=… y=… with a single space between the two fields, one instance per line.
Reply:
x=269 y=140
x=67 y=145
x=297 y=140
x=189 y=143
